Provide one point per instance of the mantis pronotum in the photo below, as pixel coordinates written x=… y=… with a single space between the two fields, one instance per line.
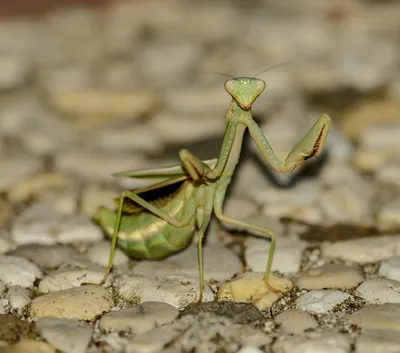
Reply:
x=156 y=229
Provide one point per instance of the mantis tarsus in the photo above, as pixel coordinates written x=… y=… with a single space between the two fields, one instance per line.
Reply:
x=156 y=229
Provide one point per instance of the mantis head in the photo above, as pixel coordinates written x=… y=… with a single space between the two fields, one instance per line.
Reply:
x=245 y=90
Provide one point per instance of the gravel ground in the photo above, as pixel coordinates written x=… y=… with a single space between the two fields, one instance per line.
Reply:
x=85 y=93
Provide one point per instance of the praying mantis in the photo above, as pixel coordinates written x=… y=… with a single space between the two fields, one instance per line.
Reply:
x=155 y=229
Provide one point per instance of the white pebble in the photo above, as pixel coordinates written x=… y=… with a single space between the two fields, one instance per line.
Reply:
x=99 y=253
x=18 y=297
x=294 y=321
x=379 y=291
x=390 y=268
x=286 y=258
x=363 y=250
x=321 y=301
x=17 y=271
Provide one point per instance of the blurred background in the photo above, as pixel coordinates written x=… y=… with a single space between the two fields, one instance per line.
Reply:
x=88 y=88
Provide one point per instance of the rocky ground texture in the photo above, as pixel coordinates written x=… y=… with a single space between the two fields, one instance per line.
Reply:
x=86 y=92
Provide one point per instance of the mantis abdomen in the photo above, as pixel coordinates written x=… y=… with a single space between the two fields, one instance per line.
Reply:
x=144 y=236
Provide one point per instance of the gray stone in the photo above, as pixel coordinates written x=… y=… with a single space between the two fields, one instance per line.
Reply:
x=68 y=336
x=18 y=297
x=295 y=322
x=378 y=341
x=390 y=268
x=139 y=319
x=377 y=317
x=379 y=291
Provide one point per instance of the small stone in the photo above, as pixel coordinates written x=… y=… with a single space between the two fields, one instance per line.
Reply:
x=321 y=301
x=314 y=342
x=78 y=229
x=82 y=303
x=378 y=341
x=103 y=105
x=180 y=130
x=177 y=291
x=295 y=322
x=139 y=319
x=32 y=185
x=68 y=336
x=97 y=165
x=18 y=297
x=67 y=278
x=363 y=250
x=154 y=340
x=250 y=288
x=2 y=288
x=238 y=313
x=249 y=349
x=388 y=216
x=17 y=271
x=28 y=346
x=12 y=328
x=330 y=276
x=377 y=317
x=6 y=246
x=13 y=71
x=390 y=268
x=17 y=169
x=131 y=138
x=46 y=256
x=219 y=262
x=287 y=254
x=99 y=254
x=41 y=224
x=348 y=203
x=379 y=291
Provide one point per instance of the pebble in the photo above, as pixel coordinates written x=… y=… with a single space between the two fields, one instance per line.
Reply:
x=67 y=278
x=249 y=287
x=314 y=342
x=6 y=245
x=94 y=196
x=348 y=203
x=388 y=217
x=330 y=276
x=295 y=322
x=17 y=271
x=82 y=303
x=12 y=328
x=175 y=128
x=18 y=297
x=377 y=317
x=2 y=288
x=14 y=71
x=33 y=185
x=99 y=253
x=40 y=224
x=139 y=319
x=219 y=262
x=102 y=105
x=46 y=256
x=287 y=255
x=97 y=165
x=390 y=268
x=28 y=346
x=154 y=340
x=249 y=349
x=68 y=336
x=389 y=173
x=17 y=169
x=320 y=301
x=178 y=291
x=378 y=341
x=363 y=250
x=379 y=291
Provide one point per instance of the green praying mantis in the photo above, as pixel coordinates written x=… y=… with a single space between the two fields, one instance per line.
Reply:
x=155 y=229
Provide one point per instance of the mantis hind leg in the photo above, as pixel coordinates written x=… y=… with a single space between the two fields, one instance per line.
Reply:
x=247 y=226
x=134 y=197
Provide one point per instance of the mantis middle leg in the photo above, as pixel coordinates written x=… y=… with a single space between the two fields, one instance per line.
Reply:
x=135 y=198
